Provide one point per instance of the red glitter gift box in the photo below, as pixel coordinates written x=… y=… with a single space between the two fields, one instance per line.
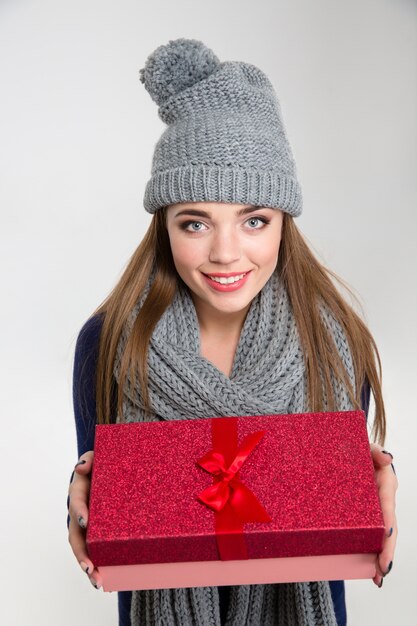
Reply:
x=234 y=500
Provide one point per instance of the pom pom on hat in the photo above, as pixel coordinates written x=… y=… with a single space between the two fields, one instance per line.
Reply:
x=175 y=66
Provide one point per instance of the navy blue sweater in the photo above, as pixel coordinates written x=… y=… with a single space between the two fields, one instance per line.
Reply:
x=85 y=359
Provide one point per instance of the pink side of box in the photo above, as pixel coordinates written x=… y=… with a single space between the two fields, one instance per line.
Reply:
x=241 y=572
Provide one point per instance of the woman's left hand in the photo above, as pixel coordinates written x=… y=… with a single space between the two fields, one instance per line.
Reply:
x=387 y=483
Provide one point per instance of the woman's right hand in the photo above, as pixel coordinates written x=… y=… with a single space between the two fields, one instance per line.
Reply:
x=78 y=494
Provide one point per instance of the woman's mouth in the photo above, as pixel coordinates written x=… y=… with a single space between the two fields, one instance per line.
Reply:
x=226 y=283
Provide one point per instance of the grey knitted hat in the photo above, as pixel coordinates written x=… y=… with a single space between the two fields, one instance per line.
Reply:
x=225 y=140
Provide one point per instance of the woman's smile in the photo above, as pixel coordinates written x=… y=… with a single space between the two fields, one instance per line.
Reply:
x=231 y=283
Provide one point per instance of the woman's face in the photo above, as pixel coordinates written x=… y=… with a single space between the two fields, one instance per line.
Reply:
x=215 y=238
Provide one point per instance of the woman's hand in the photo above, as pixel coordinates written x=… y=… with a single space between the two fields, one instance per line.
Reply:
x=387 y=483
x=78 y=494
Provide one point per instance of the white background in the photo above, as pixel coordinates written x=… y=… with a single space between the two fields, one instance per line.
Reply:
x=77 y=133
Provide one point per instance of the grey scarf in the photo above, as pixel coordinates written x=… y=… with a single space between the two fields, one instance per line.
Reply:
x=268 y=377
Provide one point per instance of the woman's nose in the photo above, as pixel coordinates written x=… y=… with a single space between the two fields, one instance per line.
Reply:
x=225 y=247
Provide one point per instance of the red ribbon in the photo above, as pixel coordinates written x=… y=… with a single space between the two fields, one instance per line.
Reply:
x=232 y=502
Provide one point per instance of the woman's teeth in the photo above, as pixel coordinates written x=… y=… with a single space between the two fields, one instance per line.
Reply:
x=226 y=281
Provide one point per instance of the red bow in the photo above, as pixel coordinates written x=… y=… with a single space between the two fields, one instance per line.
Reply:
x=227 y=489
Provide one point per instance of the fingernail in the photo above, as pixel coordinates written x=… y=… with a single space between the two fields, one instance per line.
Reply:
x=84 y=566
x=389 y=569
x=72 y=476
x=393 y=468
x=81 y=521
x=80 y=463
x=390 y=532
x=385 y=452
x=68 y=502
x=381 y=583
x=93 y=582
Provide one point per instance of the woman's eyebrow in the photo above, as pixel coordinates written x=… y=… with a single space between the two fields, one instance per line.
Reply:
x=201 y=213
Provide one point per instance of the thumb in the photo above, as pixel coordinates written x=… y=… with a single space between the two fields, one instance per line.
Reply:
x=85 y=463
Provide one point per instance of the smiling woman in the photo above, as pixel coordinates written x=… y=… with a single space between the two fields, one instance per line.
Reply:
x=223 y=310
x=233 y=252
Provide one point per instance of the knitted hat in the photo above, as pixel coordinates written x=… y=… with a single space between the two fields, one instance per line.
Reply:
x=225 y=140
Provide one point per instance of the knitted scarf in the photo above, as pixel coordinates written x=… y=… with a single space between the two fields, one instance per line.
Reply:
x=268 y=377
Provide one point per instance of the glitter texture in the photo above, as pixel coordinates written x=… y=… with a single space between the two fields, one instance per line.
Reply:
x=312 y=472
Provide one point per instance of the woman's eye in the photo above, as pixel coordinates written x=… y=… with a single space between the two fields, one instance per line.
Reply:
x=257 y=219
x=187 y=224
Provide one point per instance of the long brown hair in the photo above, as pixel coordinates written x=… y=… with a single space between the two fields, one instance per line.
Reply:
x=308 y=282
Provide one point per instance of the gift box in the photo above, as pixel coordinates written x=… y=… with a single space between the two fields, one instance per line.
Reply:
x=234 y=500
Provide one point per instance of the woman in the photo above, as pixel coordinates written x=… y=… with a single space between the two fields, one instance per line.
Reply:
x=223 y=310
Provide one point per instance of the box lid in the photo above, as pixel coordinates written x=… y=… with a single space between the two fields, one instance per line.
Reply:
x=312 y=473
